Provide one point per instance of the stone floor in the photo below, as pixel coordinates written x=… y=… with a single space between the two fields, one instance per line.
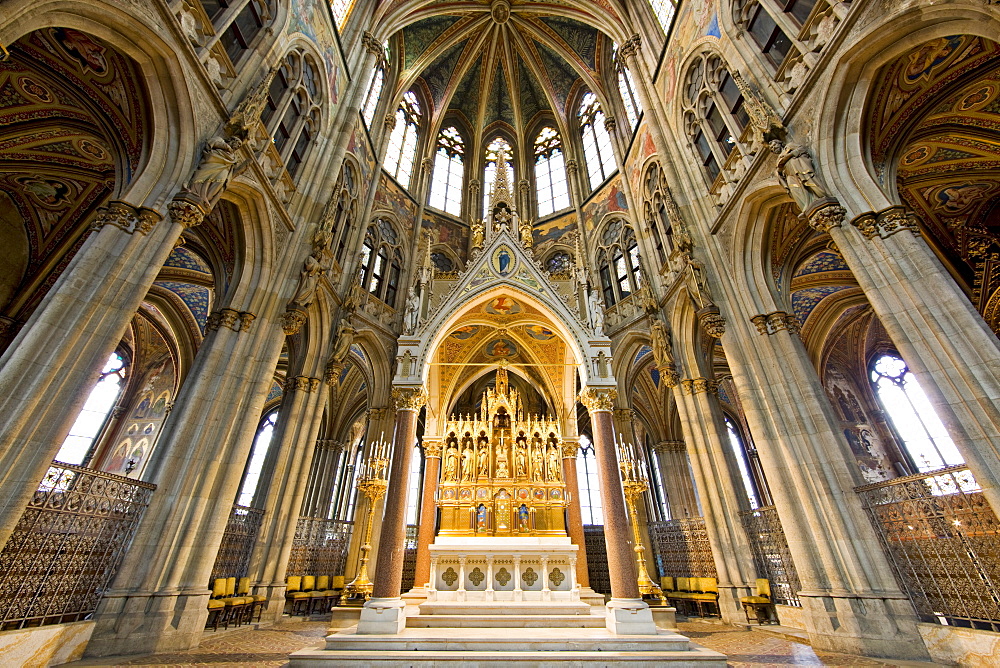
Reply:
x=270 y=647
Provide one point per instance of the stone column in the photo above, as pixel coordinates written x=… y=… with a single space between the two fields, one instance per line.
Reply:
x=428 y=513
x=384 y=613
x=294 y=444
x=48 y=370
x=573 y=513
x=320 y=485
x=937 y=330
x=675 y=471
x=158 y=599
x=627 y=613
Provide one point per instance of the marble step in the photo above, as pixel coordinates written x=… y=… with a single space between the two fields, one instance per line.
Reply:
x=504 y=608
x=505 y=621
x=696 y=657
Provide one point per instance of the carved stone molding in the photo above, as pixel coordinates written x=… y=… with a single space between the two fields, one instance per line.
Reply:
x=772 y=323
x=570 y=449
x=301 y=384
x=572 y=166
x=432 y=449
x=390 y=122
x=372 y=45
x=331 y=374
x=699 y=385
x=329 y=444
x=713 y=321
x=186 y=214
x=826 y=215
x=292 y=320
x=630 y=47
x=669 y=376
x=598 y=398
x=670 y=446
x=246 y=320
x=610 y=124
x=377 y=414
x=886 y=223
x=238 y=321
x=624 y=414
x=126 y=217
x=409 y=398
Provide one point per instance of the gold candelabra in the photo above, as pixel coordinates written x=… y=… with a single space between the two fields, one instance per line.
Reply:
x=372 y=482
x=635 y=483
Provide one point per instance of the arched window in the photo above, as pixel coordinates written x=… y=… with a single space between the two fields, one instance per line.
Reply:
x=341 y=9
x=78 y=448
x=655 y=200
x=626 y=87
x=550 y=173
x=291 y=111
x=912 y=416
x=403 y=140
x=618 y=262
x=413 y=497
x=590 y=486
x=261 y=445
x=381 y=261
x=665 y=11
x=489 y=175
x=764 y=21
x=559 y=262
x=743 y=463
x=346 y=210
x=238 y=23
x=596 y=141
x=449 y=172
x=374 y=93
x=715 y=116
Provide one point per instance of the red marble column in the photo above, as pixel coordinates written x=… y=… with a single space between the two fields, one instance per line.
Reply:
x=574 y=516
x=428 y=510
x=392 y=543
x=621 y=556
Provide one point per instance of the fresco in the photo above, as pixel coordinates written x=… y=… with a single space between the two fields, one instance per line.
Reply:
x=553 y=230
x=503 y=306
x=312 y=18
x=392 y=197
x=609 y=200
x=501 y=348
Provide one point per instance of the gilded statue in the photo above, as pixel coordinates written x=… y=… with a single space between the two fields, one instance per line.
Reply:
x=451 y=463
x=553 y=464
x=537 y=463
x=521 y=459
x=484 y=459
x=503 y=469
x=468 y=463
x=478 y=234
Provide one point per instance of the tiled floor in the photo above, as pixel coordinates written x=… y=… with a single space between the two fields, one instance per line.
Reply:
x=271 y=646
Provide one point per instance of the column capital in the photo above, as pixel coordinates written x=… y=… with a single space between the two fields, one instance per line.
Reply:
x=630 y=47
x=126 y=217
x=292 y=320
x=432 y=448
x=301 y=384
x=826 y=214
x=610 y=124
x=699 y=385
x=886 y=223
x=409 y=398
x=712 y=320
x=624 y=414
x=572 y=166
x=371 y=44
x=598 y=398
x=670 y=446
x=570 y=448
x=238 y=321
x=377 y=413
x=776 y=321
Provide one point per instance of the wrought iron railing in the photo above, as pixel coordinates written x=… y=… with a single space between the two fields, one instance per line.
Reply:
x=320 y=546
x=681 y=548
x=771 y=556
x=597 y=558
x=943 y=541
x=410 y=558
x=68 y=545
x=233 y=558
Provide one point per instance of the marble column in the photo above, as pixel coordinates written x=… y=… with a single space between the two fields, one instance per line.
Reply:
x=675 y=471
x=574 y=516
x=939 y=333
x=384 y=613
x=428 y=512
x=294 y=445
x=48 y=370
x=627 y=612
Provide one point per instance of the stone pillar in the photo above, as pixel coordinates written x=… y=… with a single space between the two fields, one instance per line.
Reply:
x=570 y=449
x=294 y=444
x=675 y=471
x=48 y=370
x=937 y=330
x=321 y=483
x=627 y=613
x=158 y=599
x=721 y=489
x=851 y=601
x=384 y=613
x=428 y=513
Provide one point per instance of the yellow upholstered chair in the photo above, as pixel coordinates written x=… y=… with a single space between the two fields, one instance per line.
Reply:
x=258 y=602
x=216 y=608
x=666 y=583
x=321 y=595
x=706 y=595
x=300 y=598
x=238 y=608
x=761 y=604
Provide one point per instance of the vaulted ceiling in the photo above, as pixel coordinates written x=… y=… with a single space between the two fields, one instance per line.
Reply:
x=494 y=64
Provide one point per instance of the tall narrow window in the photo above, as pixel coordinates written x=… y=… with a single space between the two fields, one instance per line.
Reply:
x=665 y=11
x=913 y=417
x=618 y=264
x=715 y=114
x=489 y=176
x=590 y=486
x=79 y=444
x=292 y=109
x=449 y=172
x=261 y=444
x=596 y=141
x=743 y=463
x=237 y=38
x=413 y=496
x=403 y=140
x=341 y=9
x=550 y=173
x=374 y=93
x=771 y=39
x=381 y=261
x=626 y=87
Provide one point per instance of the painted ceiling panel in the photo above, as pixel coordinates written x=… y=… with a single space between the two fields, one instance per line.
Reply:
x=419 y=36
x=579 y=37
x=439 y=74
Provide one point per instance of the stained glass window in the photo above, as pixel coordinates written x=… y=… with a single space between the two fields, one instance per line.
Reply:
x=449 y=172
x=403 y=140
x=664 y=11
x=591 y=506
x=374 y=93
x=550 y=173
x=596 y=141
x=261 y=444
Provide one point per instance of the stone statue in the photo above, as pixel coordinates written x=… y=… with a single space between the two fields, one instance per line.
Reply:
x=217 y=166
x=411 y=317
x=345 y=337
x=305 y=294
x=596 y=311
x=797 y=175
x=661 y=344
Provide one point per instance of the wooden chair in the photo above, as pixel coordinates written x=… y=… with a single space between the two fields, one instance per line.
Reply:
x=761 y=604
x=258 y=602
x=705 y=595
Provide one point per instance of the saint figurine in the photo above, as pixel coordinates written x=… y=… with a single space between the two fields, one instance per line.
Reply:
x=797 y=174
x=537 y=464
x=451 y=464
x=521 y=459
x=553 y=463
x=468 y=463
x=218 y=163
x=484 y=460
x=522 y=518
x=412 y=315
x=503 y=261
x=345 y=337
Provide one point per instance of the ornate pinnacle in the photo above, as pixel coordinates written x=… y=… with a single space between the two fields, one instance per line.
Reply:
x=762 y=116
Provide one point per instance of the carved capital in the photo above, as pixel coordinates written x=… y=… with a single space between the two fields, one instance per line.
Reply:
x=630 y=47
x=301 y=384
x=432 y=449
x=246 y=320
x=713 y=321
x=409 y=398
x=598 y=398
x=126 y=217
x=377 y=414
x=610 y=124
x=572 y=166
x=699 y=385
x=772 y=323
x=570 y=449
x=390 y=122
x=624 y=414
x=292 y=320
x=664 y=447
x=372 y=45
x=185 y=213
x=224 y=317
x=886 y=223
x=826 y=215
x=669 y=376
x=331 y=374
